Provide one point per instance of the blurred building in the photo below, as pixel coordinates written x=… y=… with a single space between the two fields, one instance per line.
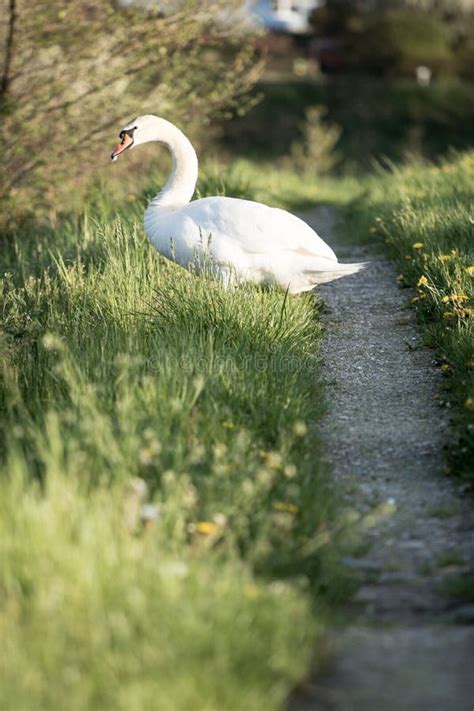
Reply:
x=288 y=16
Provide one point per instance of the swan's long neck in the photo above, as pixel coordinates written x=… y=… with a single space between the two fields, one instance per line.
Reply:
x=180 y=186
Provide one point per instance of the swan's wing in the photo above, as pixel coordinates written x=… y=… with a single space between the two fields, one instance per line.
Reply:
x=256 y=228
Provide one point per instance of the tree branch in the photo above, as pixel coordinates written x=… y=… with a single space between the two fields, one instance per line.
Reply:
x=5 y=79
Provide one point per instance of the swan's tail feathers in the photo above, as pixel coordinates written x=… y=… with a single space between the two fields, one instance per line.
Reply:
x=346 y=269
x=331 y=272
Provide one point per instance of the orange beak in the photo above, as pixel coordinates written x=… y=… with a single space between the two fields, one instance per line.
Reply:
x=125 y=143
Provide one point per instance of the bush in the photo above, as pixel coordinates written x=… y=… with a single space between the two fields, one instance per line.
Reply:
x=61 y=94
x=316 y=151
x=398 y=41
x=391 y=40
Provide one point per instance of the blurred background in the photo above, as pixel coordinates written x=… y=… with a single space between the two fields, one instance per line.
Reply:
x=317 y=86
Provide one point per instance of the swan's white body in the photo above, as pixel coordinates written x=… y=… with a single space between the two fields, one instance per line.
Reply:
x=241 y=240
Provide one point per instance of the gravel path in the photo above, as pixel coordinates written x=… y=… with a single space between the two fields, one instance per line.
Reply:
x=409 y=646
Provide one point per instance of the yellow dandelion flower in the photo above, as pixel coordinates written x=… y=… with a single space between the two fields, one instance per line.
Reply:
x=444 y=257
x=300 y=428
x=206 y=528
x=274 y=460
x=418 y=245
x=400 y=277
x=459 y=297
x=445 y=368
x=445 y=299
x=449 y=314
x=469 y=403
x=422 y=281
x=285 y=507
x=470 y=270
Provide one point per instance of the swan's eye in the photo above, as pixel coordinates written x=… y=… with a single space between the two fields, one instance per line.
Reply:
x=127 y=132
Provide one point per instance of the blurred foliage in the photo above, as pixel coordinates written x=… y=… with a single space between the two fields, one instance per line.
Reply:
x=215 y=181
x=380 y=120
x=465 y=59
x=393 y=38
x=315 y=153
x=398 y=41
x=72 y=72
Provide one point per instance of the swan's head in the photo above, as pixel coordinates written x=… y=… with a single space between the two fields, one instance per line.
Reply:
x=140 y=130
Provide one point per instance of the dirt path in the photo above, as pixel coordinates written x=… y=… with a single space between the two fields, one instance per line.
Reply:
x=408 y=646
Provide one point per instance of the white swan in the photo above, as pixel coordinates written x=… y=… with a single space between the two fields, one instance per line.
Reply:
x=243 y=240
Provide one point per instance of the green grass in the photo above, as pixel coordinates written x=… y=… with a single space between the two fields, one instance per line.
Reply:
x=280 y=186
x=118 y=365
x=422 y=216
